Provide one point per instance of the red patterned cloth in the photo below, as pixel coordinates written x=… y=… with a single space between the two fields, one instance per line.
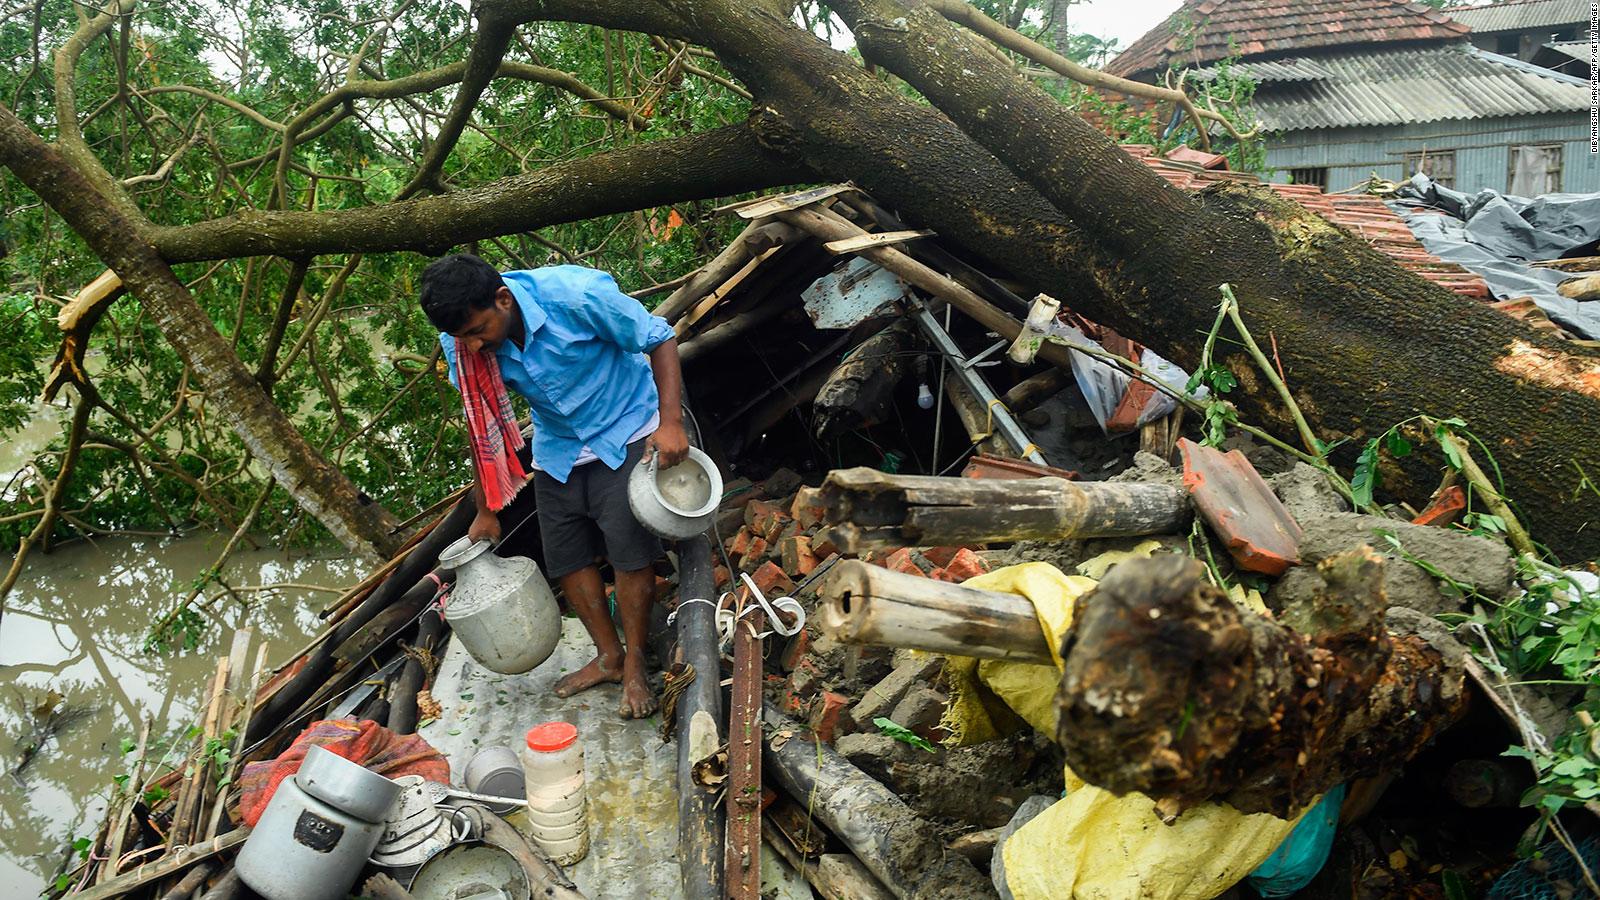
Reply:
x=365 y=742
x=492 y=426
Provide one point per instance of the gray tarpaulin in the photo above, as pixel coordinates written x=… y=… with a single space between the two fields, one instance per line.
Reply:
x=1497 y=235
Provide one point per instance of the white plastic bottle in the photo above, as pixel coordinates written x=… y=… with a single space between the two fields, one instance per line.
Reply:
x=558 y=807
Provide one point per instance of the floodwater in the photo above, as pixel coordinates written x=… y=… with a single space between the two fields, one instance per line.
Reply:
x=75 y=626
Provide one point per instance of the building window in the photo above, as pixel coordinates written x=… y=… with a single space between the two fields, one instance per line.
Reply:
x=1317 y=176
x=1440 y=165
x=1535 y=170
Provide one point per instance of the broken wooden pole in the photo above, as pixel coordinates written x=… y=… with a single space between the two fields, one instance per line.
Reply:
x=902 y=850
x=860 y=390
x=721 y=267
x=698 y=730
x=869 y=604
x=834 y=876
x=1171 y=690
x=866 y=509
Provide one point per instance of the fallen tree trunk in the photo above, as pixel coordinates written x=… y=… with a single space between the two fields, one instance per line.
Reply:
x=1171 y=690
x=869 y=604
x=896 y=845
x=1532 y=398
x=865 y=508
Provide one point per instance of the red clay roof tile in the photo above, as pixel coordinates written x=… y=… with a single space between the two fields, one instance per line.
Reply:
x=1204 y=31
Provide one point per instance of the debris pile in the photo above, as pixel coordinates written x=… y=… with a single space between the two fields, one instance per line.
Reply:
x=1119 y=653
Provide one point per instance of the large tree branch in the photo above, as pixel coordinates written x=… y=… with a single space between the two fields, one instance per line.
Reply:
x=966 y=14
x=487 y=51
x=266 y=432
x=710 y=164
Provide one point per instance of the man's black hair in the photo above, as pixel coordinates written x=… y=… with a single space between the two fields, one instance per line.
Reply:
x=454 y=286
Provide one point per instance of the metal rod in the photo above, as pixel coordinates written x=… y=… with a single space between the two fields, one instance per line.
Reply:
x=1003 y=422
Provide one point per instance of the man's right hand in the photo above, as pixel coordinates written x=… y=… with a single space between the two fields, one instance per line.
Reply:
x=485 y=527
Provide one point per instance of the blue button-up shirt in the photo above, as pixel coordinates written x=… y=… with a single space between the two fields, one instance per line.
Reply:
x=581 y=365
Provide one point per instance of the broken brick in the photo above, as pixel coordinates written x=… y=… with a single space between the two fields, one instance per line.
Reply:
x=721 y=576
x=1446 y=507
x=920 y=711
x=781 y=483
x=1236 y=502
x=881 y=698
x=780 y=528
x=902 y=561
x=795 y=651
x=943 y=575
x=829 y=717
x=754 y=556
x=738 y=545
x=758 y=514
x=807 y=508
x=966 y=564
x=771 y=580
x=822 y=546
x=798 y=560
x=940 y=556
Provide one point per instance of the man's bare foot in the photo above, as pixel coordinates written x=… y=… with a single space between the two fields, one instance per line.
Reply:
x=598 y=671
x=638 y=701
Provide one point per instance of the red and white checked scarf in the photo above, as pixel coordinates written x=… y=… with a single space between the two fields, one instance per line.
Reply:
x=492 y=426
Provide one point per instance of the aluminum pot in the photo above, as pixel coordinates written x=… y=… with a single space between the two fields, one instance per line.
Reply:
x=346 y=785
x=305 y=849
x=677 y=503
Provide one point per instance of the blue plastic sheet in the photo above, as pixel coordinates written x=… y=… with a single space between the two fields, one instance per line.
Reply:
x=1301 y=855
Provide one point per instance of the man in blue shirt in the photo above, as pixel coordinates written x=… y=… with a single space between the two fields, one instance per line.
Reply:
x=603 y=386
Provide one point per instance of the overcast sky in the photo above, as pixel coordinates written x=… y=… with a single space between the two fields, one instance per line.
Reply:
x=1125 y=20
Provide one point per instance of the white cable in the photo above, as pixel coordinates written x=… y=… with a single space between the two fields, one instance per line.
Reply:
x=727 y=619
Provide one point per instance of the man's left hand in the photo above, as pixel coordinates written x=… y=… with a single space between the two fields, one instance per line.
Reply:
x=670 y=444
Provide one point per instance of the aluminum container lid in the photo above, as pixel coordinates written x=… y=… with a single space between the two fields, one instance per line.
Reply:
x=346 y=785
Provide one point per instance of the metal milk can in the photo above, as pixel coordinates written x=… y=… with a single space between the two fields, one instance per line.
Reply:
x=501 y=608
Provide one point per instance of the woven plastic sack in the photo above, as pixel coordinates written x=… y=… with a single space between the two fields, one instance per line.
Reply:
x=1093 y=844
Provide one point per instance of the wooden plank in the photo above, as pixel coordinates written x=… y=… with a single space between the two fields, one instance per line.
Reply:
x=880 y=239
x=785 y=202
x=715 y=297
x=742 y=850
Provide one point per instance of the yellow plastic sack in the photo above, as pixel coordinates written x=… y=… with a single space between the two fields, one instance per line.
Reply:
x=1092 y=844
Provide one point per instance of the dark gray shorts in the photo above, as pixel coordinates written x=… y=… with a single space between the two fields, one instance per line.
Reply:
x=589 y=517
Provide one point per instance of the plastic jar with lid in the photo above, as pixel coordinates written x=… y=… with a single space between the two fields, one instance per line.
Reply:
x=558 y=808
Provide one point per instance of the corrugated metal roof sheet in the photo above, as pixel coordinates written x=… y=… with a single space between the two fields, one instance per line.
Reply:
x=1522 y=14
x=1416 y=84
x=1263 y=71
x=1578 y=50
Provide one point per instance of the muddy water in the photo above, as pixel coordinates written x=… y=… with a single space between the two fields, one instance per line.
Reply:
x=75 y=625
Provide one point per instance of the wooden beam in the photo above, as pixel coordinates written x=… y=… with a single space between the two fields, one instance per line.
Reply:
x=175 y=861
x=869 y=604
x=867 y=509
x=768 y=206
x=902 y=850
